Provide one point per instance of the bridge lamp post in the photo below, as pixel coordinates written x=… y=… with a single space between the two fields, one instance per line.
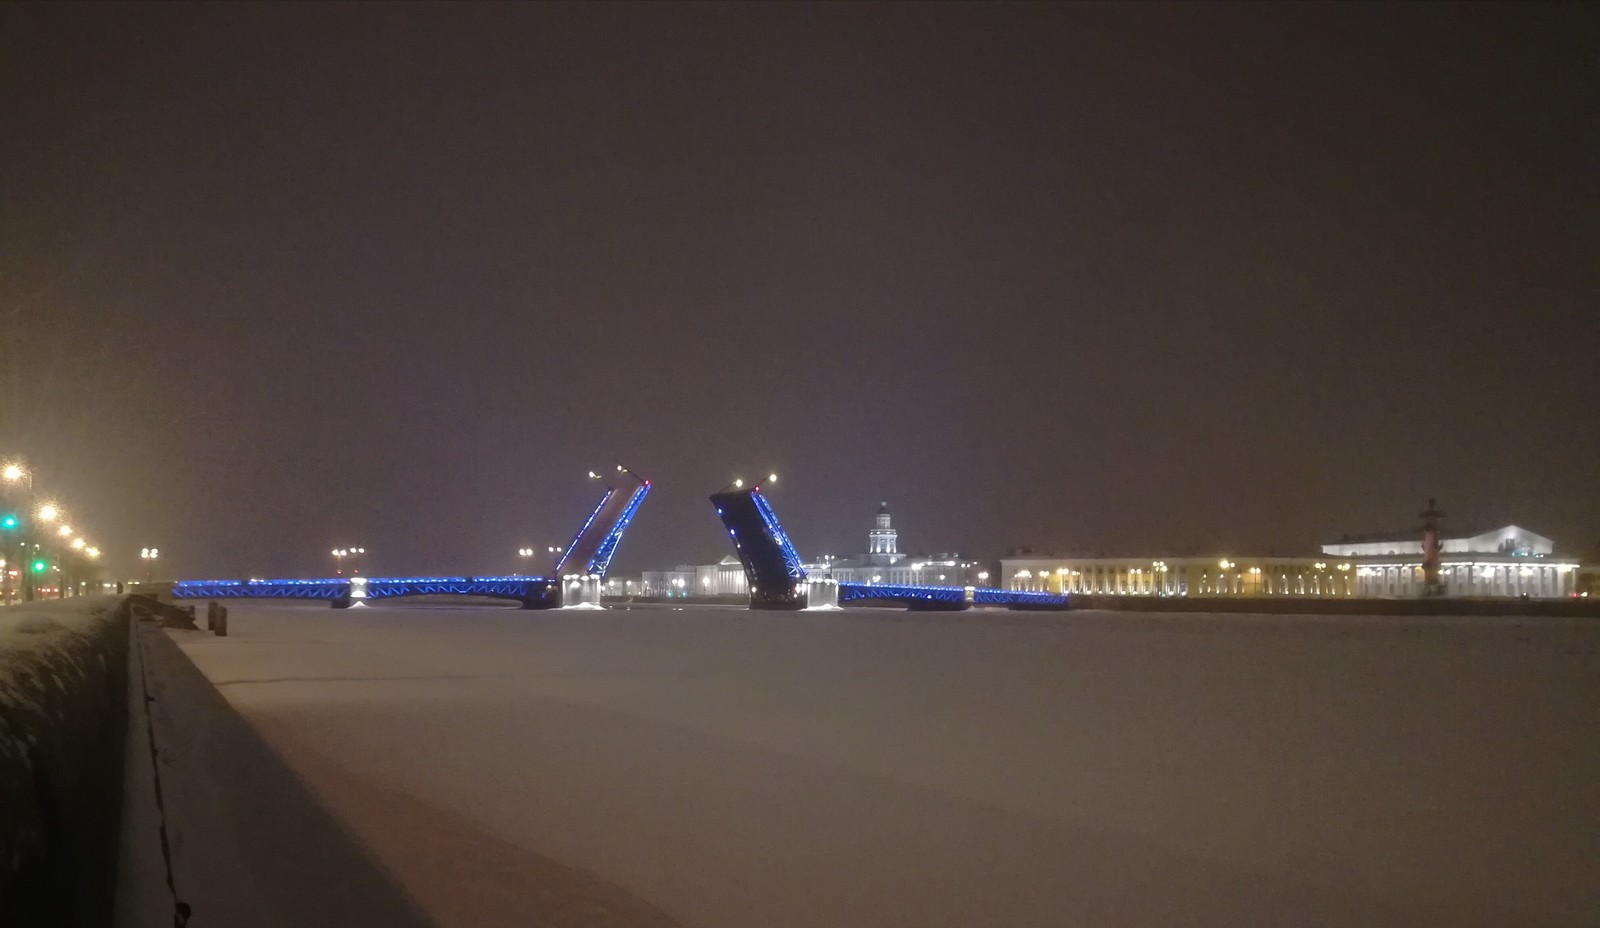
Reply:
x=339 y=555
x=148 y=555
x=525 y=554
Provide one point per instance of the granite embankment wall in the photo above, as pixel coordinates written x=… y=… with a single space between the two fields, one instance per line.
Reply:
x=63 y=718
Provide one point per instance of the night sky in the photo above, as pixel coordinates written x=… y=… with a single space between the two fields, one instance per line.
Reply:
x=1123 y=279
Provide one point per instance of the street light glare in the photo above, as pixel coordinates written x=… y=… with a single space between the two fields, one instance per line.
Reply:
x=48 y=513
x=738 y=483
x=77 y=544
x=64 y=531
x=772 y=478
x=13 y=472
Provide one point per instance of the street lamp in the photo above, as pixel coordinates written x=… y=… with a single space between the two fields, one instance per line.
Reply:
x=339 y=554
x=48 y=512
x=64 y=531
x=14 y=472
x=148 y=555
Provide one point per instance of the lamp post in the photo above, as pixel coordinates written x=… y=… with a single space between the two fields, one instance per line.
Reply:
x=148 y=555
x=354 y=554
x=525 y=554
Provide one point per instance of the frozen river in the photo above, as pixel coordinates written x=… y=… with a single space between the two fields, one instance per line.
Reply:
x=719 y=768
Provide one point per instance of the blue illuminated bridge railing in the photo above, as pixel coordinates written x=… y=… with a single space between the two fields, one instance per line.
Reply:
x=950 y=595
x=528 y=590
x=261 y=589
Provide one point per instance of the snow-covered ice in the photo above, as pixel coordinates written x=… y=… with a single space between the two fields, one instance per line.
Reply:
x=727 y=769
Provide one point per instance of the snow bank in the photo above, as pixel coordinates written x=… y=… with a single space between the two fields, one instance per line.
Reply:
x=63 y=672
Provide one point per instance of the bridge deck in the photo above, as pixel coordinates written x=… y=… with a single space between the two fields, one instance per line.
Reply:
x=950 y=596
x=527 y=590
x=591 y=550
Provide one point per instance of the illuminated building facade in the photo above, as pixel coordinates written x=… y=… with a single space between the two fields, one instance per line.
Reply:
x=1509 y=562
x=724 y=578
x=883 y=562
x=1181 y=576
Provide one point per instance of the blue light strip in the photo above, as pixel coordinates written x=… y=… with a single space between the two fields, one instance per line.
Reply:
x=601 y=562
x=849 y=591
x=517 y=588
x=576 y=538
x=261 y=589
x=499 y=587
x=791 y=558
x=991 y=597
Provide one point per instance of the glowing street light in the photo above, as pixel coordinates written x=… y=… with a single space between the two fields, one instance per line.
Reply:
x=92 y=552
x=339 y=554
x=148 y=555
x=738 y=483
x=13 y=472
x=772 y=478
x=78 y=543
x=64 y=531
x=48 y=512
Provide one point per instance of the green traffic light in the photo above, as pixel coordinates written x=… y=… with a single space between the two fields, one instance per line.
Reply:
x=40 y=567
x=9 y=521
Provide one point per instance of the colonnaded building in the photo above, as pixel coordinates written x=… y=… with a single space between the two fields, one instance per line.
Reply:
x=1509 y=562
x=882 y=562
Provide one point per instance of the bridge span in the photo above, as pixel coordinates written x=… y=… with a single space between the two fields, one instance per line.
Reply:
x=577 y=576
x=776 y=575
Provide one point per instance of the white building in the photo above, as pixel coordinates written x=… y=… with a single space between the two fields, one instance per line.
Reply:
x=1181 y=576
x=724 y=578
x=883 y=562
x=1509 y=562
x=1510 y=540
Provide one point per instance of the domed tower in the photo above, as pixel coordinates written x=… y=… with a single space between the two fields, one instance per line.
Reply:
x=883 y=539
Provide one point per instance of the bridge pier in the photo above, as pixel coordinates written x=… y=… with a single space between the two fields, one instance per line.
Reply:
x=822 y=594
x=581 y=590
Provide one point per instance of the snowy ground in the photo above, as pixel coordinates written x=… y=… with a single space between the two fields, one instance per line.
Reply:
x=726 y=769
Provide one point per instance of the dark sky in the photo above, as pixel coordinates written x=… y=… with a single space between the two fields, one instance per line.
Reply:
x=1136 y=278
